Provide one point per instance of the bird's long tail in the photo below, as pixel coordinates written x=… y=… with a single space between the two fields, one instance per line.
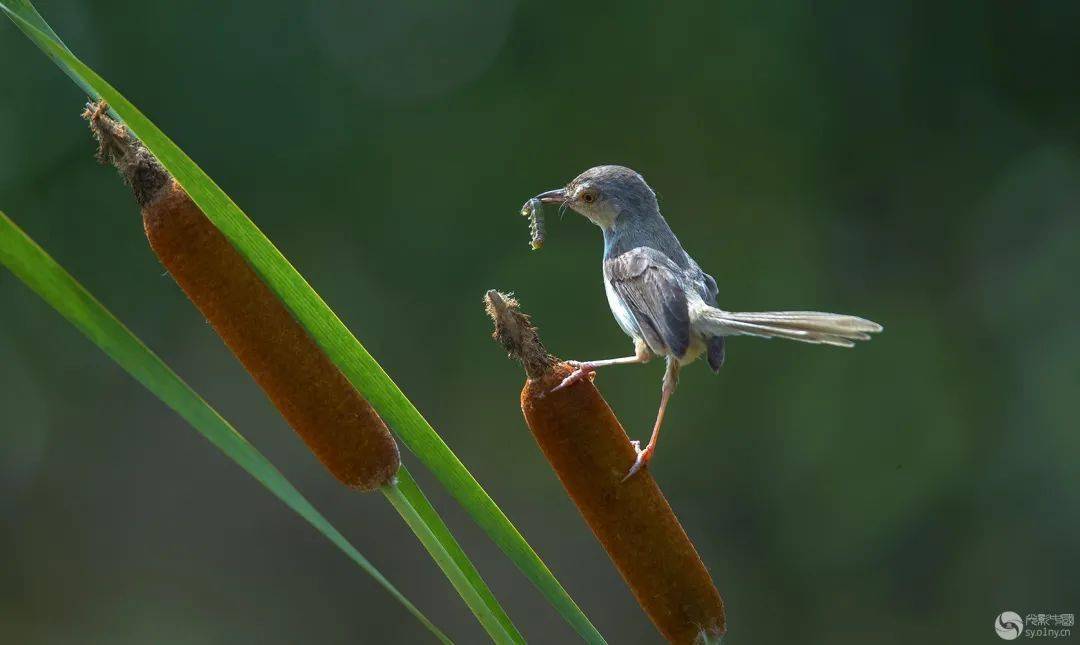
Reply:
x=806 y=326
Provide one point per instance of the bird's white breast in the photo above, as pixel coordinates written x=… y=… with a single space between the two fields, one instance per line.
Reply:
x=622 y=314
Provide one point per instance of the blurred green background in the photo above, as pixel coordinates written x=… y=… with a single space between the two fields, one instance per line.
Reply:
x=914 y=163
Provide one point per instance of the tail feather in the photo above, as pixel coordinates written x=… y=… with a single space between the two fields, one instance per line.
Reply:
x=805 y=326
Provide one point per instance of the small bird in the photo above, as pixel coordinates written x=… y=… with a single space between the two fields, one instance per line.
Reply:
x=662 y=299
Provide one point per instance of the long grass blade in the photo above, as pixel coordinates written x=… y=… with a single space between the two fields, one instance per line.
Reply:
x=417 y=512
x=29 y=13
x=31 y=264
x=324 y=326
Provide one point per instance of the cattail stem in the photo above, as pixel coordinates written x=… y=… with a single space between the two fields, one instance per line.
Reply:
x=590 y=453
x=317 y=400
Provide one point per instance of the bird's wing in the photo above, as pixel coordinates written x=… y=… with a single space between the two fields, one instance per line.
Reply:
x=648 y=283
x=708 y=288
x=703 y=283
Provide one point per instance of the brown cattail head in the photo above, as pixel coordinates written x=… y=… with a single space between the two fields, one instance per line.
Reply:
x=590 y=453
x=317 y=400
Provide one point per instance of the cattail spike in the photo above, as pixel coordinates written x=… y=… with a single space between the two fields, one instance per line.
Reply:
x=141 y=171
x=317 y=400
x=516 y=333
x=590 y=453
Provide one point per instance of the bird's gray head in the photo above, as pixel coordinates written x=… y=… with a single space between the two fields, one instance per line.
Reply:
x=604 y=194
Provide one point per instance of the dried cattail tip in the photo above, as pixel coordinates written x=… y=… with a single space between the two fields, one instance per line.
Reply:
x=317 y=400
x=515 y=332
x=116 y=145
x=590 y=453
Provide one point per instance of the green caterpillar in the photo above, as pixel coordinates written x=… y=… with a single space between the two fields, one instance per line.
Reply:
x=533 y=209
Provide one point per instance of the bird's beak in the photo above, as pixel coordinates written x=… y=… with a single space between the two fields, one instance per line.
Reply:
x=557 y=196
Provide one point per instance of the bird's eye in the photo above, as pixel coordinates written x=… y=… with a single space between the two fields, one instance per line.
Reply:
x=588 y=197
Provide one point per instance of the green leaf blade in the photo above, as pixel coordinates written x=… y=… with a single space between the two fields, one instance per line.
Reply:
x=410 y=503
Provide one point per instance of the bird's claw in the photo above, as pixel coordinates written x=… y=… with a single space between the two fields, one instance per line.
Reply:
x=581 y=371
x=643 y=457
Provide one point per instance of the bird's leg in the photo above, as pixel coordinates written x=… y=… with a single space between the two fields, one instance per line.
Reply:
x=583 y=369
x=588 y=368
x=671 y=379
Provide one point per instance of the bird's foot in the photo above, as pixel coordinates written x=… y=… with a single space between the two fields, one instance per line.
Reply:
x=581 y=371
x=643 y=457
